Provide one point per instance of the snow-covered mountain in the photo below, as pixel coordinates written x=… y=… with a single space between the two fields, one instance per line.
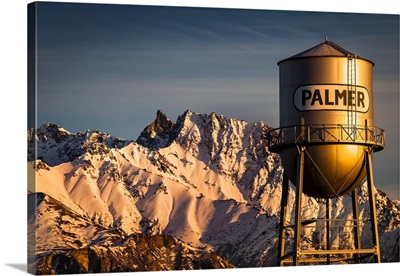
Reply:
x=206 y=184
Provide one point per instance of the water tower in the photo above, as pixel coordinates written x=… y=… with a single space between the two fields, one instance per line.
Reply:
x=326 y=141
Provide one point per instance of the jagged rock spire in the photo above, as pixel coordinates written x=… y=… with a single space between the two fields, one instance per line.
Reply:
x=158 y=133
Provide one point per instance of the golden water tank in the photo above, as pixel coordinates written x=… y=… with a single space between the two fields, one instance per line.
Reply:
x=326 y=108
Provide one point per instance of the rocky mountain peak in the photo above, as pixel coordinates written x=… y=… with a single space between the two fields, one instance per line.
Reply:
x=53 y=131
x=160 y=125
x=159 y=133
x=54 y=145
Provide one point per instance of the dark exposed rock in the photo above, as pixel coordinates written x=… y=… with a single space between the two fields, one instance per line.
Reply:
x=160 y=133
x=135 y=253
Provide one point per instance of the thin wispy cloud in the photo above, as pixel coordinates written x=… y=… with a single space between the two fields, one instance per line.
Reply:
x=99 y=64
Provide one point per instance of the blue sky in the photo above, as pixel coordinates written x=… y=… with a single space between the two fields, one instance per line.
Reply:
x=110 y=67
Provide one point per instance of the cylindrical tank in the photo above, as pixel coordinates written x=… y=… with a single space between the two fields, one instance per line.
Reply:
x=326 y=106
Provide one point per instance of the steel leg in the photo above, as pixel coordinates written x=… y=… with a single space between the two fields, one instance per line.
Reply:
x=282 y=224
x=299 y=192
x=372 y=205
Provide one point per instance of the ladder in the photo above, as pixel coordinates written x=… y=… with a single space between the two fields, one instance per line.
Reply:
x=351 y=85
x=351 y=90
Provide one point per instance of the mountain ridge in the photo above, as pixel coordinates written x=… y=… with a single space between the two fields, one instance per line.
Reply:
x=207 y=180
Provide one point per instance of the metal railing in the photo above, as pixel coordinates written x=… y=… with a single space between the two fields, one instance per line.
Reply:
x=326 y=134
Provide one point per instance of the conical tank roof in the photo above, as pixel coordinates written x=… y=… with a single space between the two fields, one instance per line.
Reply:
x=325 y=49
